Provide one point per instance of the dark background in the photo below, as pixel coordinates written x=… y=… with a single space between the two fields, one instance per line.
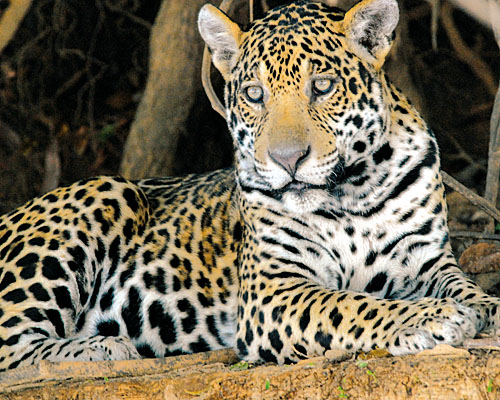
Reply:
x=73 y=75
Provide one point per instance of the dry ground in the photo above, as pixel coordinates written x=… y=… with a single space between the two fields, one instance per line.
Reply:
x=450 y=374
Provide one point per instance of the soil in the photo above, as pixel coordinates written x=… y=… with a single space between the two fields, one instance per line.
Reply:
x=452 y=374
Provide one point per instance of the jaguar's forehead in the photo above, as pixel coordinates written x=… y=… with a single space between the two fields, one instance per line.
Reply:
x=297 y=36
x=306 y=13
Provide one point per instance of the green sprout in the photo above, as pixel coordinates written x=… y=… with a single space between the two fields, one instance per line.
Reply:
x=370 y=372
x=106 y=132
x=489 y=388
x=342 y=394
x=239 y=366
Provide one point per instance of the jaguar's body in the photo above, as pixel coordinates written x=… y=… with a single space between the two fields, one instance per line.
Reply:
x=330 y=232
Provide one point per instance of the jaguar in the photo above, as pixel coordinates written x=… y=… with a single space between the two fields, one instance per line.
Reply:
x=330 y=231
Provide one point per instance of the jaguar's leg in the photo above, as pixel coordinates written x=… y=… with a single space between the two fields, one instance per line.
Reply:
x=32 y=348
x=445 y=280
x=55 y=254
x=293 y=318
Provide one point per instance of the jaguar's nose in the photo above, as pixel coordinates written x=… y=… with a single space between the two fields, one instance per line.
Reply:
x=289 y=158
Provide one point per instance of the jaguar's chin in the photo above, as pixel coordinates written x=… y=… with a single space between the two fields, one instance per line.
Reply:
x=304 y=199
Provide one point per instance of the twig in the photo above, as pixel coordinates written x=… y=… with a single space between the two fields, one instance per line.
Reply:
x=91 y=77
x=69 y=83
x=90 y=87
x=434 y=23
x=474 y=235
x=418 y=12
x=130 y=16
x=52 y=168
x=8 y=137
x=19 y=58
x=478 y=201
x=207 y=84
x=264 y=5
x=205 y=71
x=464 y=53
x=462 y=154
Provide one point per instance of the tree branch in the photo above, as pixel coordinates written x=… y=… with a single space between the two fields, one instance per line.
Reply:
x=205 y=71
x=478 y=201
x=474 y=235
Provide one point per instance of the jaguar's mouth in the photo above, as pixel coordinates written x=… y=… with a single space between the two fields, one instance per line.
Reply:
x=300 y=187
x=335 y=177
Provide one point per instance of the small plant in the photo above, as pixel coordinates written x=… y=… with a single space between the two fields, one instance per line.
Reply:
x=106 y=132
x=342 y=393
x=268 y=384
x=489 y=388
x=371 y=373
x=239 y=366
x=364 y=364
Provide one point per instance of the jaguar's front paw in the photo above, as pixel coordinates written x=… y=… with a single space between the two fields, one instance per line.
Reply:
x=97 y=348
x=431 y=322
x=489 y=311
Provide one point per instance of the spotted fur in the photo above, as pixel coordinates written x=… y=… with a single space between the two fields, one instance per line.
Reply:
x=330 y=232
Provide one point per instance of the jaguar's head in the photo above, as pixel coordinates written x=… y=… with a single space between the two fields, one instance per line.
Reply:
x=303 y=96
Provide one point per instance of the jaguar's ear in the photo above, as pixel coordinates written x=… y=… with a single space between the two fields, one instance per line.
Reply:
x=222 y=37
x=369 y=28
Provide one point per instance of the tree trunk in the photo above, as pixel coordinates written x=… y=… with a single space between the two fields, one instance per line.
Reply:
x=171 y=91
x=11 y=19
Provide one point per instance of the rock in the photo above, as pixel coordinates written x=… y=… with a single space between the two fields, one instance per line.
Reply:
x=444 y=350
x=489 y=282
x=336 y=355
x=481 y=258
x=482 y=262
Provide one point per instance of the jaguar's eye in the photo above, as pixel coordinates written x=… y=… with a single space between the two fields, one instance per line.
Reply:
x=255 y=94
x=320 y=87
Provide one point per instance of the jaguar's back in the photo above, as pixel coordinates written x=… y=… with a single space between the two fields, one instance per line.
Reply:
x=91 y=268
